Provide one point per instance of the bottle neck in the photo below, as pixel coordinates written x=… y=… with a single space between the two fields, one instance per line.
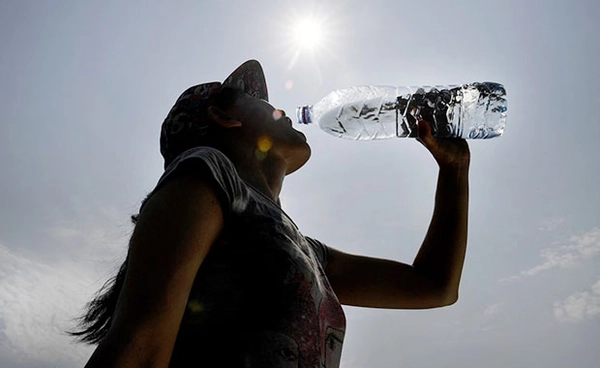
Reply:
x=303 y=114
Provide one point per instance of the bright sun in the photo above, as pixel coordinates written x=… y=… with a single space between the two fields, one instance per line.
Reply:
x=308 y=34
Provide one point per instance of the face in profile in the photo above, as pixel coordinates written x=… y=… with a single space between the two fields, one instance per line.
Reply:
x=272 y=131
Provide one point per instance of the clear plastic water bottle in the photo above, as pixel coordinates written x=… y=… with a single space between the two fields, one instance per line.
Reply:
x=474 y=111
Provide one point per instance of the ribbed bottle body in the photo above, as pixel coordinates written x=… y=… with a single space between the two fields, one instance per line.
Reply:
x=470 y=111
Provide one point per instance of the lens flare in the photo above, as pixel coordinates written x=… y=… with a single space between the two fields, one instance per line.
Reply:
x=195 y=306
x=264 y=144
x=277 y=114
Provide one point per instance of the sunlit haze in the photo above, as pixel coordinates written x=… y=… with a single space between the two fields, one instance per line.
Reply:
x=85 y=86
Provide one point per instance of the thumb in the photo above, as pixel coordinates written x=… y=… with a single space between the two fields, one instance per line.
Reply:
x=424 y=133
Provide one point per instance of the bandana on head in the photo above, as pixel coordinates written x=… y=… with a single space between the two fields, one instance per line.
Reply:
x=183 y=121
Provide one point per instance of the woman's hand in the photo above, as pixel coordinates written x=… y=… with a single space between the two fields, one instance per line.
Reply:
x=447 y=152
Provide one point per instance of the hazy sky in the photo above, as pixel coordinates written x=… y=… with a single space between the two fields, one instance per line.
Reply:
x=85 y=85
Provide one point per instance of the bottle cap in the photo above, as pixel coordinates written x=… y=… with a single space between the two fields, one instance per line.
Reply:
x=303 y=115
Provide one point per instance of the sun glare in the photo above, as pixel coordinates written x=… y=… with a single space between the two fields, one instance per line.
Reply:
x=308 y=34
x=311 y=37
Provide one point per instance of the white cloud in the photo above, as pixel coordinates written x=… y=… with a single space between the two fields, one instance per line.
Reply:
x=580 y=248
x=43 y=291
x=492 y=309
x=579 y=306
x=551 y=223
x=37 y=304
x=103 y=230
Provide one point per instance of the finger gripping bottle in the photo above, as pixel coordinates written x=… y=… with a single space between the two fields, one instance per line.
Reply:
x=473 y=111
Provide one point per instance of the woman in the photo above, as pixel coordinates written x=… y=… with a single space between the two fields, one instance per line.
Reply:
x=217 y=275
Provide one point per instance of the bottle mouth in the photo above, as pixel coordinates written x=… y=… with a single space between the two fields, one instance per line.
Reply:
x=303 y=115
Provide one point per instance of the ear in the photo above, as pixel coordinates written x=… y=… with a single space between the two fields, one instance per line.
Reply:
x=222 y=118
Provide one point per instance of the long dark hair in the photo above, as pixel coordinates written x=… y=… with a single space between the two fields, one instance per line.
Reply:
x=94 y=324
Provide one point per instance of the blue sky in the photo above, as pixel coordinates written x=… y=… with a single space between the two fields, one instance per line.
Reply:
x=85 y=86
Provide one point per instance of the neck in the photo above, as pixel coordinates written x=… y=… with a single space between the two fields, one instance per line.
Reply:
x=265 y=174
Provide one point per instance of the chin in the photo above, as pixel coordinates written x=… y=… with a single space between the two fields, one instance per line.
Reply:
x=300 y=157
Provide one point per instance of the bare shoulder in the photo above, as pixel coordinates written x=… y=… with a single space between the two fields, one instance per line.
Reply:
x=174 y=233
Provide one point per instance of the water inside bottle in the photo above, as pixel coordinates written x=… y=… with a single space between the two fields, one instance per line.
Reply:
x=475 y=111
